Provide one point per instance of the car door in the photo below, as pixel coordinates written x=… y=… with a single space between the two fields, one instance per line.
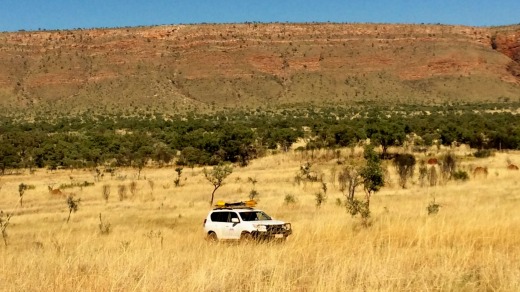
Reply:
x=220 y=224
x=233 y=230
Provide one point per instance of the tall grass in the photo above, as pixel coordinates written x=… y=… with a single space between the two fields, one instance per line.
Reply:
x=157 y=244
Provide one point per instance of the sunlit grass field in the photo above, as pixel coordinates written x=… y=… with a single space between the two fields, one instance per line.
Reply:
x=156 y=240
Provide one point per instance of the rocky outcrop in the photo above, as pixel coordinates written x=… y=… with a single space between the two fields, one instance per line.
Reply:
x=168 y=68
x=506 y=40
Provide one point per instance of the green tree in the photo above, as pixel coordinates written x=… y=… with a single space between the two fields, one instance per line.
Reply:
x=191 y=156
x=372 y=173
x=216 y=177
x=344 y=135
x=9 y=158
x=386 y=133
x=237 y=144
x=284 y=137
x=371 y=176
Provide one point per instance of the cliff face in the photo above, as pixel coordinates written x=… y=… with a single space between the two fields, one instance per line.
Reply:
x=507 y=41
x=168 y=68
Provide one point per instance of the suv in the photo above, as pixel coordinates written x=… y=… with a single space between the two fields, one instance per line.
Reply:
x=240 y=221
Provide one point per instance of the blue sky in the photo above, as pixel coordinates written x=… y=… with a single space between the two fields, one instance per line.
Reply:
x=70 y=14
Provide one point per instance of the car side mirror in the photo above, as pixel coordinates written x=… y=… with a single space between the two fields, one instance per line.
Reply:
x=235 y=220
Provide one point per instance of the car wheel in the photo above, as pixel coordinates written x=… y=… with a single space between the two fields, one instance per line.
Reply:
x=281 y=240
x=212 y=237
x=246 y=237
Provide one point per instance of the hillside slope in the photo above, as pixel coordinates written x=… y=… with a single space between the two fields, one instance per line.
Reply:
x=170 y=68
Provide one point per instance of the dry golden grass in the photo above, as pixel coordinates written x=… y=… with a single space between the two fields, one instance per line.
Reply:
x=157 y=242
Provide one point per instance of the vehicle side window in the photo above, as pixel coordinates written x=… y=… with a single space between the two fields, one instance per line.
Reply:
x=232 y=215
x=219 y=216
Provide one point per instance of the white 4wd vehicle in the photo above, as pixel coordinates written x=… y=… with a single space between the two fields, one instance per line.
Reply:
x=237 y=221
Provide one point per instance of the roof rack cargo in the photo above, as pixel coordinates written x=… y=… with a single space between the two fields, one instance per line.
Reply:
x=225 y=205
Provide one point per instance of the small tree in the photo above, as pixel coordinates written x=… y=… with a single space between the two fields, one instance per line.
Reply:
x=423 y=173
x=216 y=177
x=106 y=192
x=21 y=191
x=289 y=199
x=432 y=176
x=371 y=176
x=253 y=194
x=372 y=173
x=139 y=163
x=177 y=180
x=448 y=166
x=122 y=192
x=324 y=187
x=320 y=199
x=104 y=228
x=133 y=188
x=73 y=205
x=433 y=207
x=4 y=222
x=348 y=180
x=404 y=164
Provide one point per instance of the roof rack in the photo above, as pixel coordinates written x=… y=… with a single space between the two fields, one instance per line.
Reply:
x=244 y=204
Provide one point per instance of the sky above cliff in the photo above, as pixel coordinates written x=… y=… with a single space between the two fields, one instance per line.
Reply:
x=70 y=14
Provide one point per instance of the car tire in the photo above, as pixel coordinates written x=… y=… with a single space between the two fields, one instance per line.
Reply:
x=212 y=237
x=281 y=240
x=246 y=237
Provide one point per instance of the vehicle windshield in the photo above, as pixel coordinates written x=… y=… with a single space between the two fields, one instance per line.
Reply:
x=254 y=216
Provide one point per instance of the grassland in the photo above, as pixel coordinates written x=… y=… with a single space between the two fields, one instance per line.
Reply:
x=156 y=241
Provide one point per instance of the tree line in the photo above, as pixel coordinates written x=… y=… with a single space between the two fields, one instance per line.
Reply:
x=239 y=136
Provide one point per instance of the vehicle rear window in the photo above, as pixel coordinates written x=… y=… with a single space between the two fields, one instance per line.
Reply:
x=223 y=216
x=219 y=216
x=254 y=216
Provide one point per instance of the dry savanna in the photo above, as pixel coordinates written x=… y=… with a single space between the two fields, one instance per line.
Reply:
x=127 y=234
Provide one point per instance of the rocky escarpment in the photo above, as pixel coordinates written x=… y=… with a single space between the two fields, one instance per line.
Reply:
x=171 y=68
x=507 y=41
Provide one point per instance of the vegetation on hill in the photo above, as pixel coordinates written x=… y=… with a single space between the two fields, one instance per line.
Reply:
x=205 y=67
x=239 y=136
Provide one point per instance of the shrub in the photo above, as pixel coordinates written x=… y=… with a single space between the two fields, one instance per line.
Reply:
x=460 y=175
x=289 y=199
x=355 y=207
x=106 y=192
x=73 y=205
x=320 y=199
x=423 y=173
x=21 y=191
x=404 y=164
x=253 y=194
x=77 y=184
x=449 y=164
x=133 y=188
x=483 y=153
x=121 y=191
x=433 y=207
x=104 y=228
x=177 y=180
x=432 y=176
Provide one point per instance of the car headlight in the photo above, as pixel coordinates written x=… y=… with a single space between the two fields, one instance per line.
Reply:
x=260 y=227
x=287 y=226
